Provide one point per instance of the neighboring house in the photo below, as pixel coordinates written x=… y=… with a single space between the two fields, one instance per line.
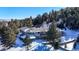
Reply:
x=43 y=28
x=24 y=29
x=35 y=32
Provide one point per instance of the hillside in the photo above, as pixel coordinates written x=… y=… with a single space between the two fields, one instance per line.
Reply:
x=51 y=29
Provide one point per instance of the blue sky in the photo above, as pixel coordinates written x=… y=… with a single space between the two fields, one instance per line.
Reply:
x=23 y=12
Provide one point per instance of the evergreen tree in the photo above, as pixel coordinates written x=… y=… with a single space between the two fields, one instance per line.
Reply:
x=13 y=26
x=38 y=20
x=17 y=23
x=45 y=17
x=8 y=36
x=29 y=22
x=27 y=42
x=53 y=35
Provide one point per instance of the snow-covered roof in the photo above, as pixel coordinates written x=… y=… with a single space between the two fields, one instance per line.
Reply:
x=24 y=29
x=41 y=29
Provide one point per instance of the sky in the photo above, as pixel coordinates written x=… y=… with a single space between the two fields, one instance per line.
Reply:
x=23 y=12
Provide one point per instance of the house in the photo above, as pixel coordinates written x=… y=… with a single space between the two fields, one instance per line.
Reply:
x=24 y=29
x=35 y=32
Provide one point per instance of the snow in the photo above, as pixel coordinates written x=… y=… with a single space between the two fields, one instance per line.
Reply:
x=70 y=46
x=24 y=29
x=32 y=37
x=52 y=49
x=37 y=44
x=60 y=21
x=49 y=45
x=24 y=36
x=18 y=42
x=63 y=39
x=1 y=47
x=70 y=33
x=34 y=45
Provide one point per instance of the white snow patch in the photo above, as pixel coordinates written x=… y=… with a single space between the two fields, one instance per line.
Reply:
x=24 y=36
x=49 y=46
x=70 y=33
x=32 y=37
x=70 y=46
x=34 y=45
x=52 y=49
x=63 y=39
x=1 y=47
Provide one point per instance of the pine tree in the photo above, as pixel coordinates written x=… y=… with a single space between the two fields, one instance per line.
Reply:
x=14 y=26
x=27 y=42
x=45 y=17
x=29 y=22
x=8 y=36
x=53 y=35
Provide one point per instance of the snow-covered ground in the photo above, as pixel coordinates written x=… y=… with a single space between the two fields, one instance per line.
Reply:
x=69 y=35
x=34 y=46
x=37 y=45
